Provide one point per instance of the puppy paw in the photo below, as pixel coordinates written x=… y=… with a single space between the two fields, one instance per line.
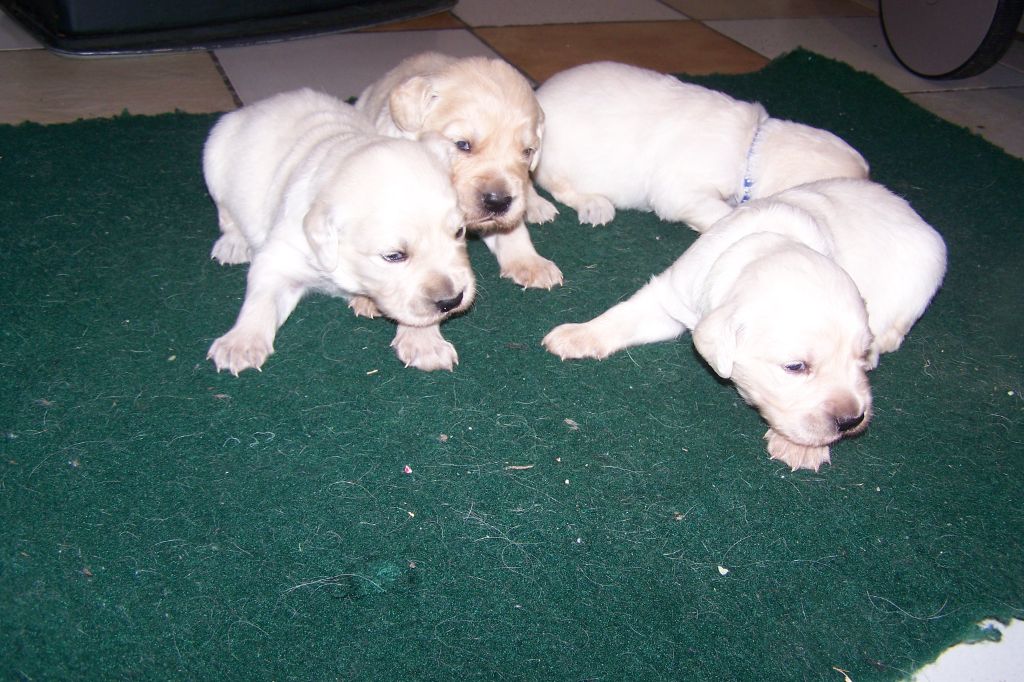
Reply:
x=364 y=306
x=540 y=210
x=569 y=341
x=424 y=348
x=535 y=272
x=231 y=249
x=594 y=209
x=887 y=341
x=796 y=456
x=239 y=350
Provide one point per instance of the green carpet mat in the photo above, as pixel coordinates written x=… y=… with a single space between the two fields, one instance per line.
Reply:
x=615 y=520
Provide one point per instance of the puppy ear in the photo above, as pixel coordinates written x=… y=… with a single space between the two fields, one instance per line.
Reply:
x=539 y=130
x=410 y=102
x=322 y=235
x=715 y=339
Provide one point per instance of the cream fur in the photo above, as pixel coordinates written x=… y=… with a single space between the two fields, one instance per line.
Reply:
x=305 y=190
x=626 y=137
x=793 y=298
x=488 y=112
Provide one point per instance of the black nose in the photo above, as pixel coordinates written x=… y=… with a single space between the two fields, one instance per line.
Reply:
x=496 y=203
x=845 y=424
x=450 y=304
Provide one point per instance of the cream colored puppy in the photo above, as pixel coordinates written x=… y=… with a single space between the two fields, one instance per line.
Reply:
x=791 y=297
x=622 y=136
x=310 y=194
x=488 y=112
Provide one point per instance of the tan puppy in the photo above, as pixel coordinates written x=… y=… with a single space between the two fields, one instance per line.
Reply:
x=793 y=298
x=488 y=112
x=310 y=194
x=622 y=136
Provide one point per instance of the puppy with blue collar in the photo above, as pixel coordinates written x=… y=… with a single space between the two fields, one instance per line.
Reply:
x=618 y=136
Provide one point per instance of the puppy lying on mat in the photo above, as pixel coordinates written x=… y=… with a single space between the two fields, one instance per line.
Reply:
x=793 y=298
x=490 y=115
x=622 y=136
x=310 y=194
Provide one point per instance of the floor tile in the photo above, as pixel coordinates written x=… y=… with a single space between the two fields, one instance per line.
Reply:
x=527 y=12
x=857 y=41
x=982 y=661
x=766 y=9
x=432 y=22
x=341 y=65
x=47 y=88
x=13 y=36
x=996 y=114
x=667 y=46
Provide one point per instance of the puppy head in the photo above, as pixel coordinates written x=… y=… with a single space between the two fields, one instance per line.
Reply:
x=793 y=336
x=489 y=114
x=388 y=227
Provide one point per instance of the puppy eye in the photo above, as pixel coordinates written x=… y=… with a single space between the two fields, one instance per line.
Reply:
x=795 y=367
x=528 y=153
x=464 y=146
x=460 y=233
x=394 y=256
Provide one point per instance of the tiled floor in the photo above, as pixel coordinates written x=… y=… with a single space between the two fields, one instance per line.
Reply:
x=540 y=37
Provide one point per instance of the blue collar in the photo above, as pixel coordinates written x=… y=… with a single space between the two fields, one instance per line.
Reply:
x=748 y=180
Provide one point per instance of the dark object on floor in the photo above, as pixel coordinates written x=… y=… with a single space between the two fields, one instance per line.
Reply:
x=109 y=26
x=951 y=39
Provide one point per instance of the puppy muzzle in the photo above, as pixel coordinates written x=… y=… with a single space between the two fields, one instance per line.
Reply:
x=493 y=204
x=449 y=304
x=827 y=427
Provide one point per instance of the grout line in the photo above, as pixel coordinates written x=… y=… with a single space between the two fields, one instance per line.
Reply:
x=224 y=77
x=678 y=11
x=471 y=30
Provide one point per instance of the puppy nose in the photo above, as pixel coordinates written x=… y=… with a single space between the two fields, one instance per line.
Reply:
x=450 y=303
x=845 y=424
x=496 y=203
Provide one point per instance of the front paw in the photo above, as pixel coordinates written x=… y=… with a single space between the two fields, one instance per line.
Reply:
x=594 y=209
x=534 y=272
x=231 y=249
x=540 y=210
x=424 y=348
x=795 y=455
x=364 y=306
x=239 y=350
x=570 y=341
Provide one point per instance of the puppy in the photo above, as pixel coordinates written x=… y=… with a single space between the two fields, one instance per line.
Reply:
x=793 y=298
x=489 y=113
x=310 y=194
x=622 y=136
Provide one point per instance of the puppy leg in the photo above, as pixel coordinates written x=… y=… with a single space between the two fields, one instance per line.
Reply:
x=592 y=209
x=699 y=211
x=270 y=297
x=363 y=306
x=232 y=247
x=520 y=262
x=538 y=209
x=424 y=348
x=641 y=319
x=887 y=341
x=796 y=456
